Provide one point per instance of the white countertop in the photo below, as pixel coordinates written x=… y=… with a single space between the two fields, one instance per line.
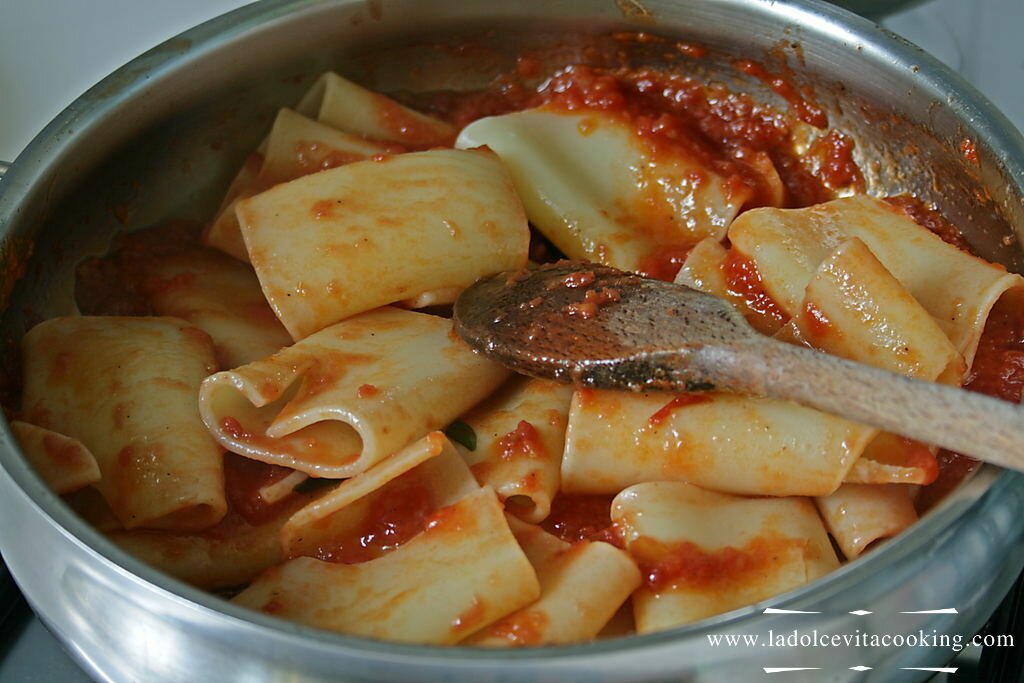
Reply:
x=51 y=51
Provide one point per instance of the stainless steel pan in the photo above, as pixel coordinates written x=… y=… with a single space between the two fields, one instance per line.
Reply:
x=160 y=137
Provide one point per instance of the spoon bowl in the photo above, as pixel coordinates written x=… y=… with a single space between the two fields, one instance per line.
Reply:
x=598 y=327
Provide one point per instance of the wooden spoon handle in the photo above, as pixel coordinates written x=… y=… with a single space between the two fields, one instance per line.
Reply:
x=962 y=421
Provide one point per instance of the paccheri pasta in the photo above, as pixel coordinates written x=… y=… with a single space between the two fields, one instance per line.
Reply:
x=252 y=406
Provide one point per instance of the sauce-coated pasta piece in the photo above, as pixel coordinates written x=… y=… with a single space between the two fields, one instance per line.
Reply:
x=126 y=388
x=956 y=288
x=520 y=436
x=377 y=510
x=410 y=224
x=594 y=188
x=462 y=573
x=296 y=146
x=703 y=553
x=64 y=463
x=582 y=586
x=348 y=396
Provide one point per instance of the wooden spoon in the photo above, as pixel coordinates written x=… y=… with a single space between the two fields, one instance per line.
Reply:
x=600 y=327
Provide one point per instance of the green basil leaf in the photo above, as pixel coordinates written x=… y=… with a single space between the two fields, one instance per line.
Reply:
x=462 y=433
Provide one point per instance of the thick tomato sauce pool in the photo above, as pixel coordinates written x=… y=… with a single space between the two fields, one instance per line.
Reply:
x=675 y=115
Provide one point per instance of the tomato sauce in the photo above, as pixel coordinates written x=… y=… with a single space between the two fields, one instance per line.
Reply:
x=576 y=518
x=541 y=248
x=970 y=150
x=453 y=518
x=919 y=456
x=471 y=617
x=673 y=115
x=688 y=565
x=816 y=323
x=675 y=404
x=928 y=217
x=323 y=209
x=367 y=391
x=720 y=129
x=745 y=283
x=233 y=428
x=805 y=109
x=664 y=263
x=953 y=468
x=833 y=154
x=121 y=282
x=692 y=50
x=254 y=162
x=592 y=302
x=522 y=442
x=415 y=131
x=583 y=278
x=401 y=511
x=665 y=111
x=65 y=452
x=521 y=629
x=998 y=368
x=243 y=479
